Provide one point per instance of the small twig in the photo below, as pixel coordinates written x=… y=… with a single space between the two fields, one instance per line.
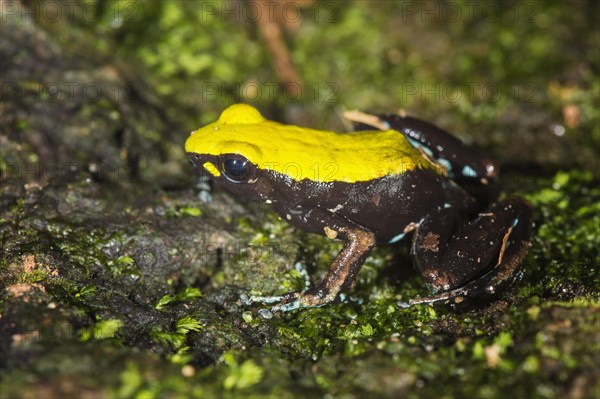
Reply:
x=367 y=119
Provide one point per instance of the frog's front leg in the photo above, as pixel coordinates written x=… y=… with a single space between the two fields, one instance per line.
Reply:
x=476 y=258
x=342 y=273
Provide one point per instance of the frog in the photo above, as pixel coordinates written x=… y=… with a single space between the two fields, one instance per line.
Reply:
x=393 y=176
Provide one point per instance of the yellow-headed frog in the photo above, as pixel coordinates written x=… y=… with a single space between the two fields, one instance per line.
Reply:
x=394 y=176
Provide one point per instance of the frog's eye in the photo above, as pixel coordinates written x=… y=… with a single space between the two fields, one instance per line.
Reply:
x=237 y=169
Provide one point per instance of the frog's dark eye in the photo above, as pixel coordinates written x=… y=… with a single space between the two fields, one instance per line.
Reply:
x=237 y=169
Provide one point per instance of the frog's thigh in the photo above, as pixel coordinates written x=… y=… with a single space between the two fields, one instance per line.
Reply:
x=449 y=255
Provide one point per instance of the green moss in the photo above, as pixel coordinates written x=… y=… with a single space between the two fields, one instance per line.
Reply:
x=241 y=376
x=568 y=232
x=102 y=330
x=177 y=337
x=186 y=294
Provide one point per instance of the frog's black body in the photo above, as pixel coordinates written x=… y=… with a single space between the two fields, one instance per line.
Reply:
x=460 y=249
x=384 y=206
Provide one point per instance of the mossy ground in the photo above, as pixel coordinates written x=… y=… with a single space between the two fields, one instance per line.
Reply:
x=118 y=282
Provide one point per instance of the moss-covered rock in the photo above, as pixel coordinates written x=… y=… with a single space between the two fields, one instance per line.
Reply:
x=115 y=280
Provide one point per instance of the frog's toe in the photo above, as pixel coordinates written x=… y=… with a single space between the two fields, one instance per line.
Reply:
x=301 y=268
x=268 y=300
x=288 y=306
x=454 y=296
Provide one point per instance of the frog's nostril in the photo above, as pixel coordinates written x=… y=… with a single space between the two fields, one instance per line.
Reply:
x=194 y=158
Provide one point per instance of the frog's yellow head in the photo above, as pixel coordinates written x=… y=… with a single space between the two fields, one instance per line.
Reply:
x=242 y=114
x=241 y=133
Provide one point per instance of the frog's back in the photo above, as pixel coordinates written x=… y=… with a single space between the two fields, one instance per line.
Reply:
x=355 y=156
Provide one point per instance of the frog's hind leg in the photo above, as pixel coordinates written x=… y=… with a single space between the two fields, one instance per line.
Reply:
x=476 y=259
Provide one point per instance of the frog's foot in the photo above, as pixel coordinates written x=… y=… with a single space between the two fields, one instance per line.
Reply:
x=477 y=260
x=204 y=189
x=301 y=301
x=487 y=285
x=265 y=300
x=287 y=302
x=291 y=300
x=341 y=274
